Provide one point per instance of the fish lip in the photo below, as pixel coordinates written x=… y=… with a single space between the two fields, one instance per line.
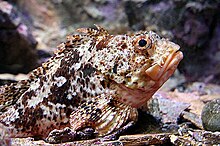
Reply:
x=176 y=57
x=156 y=71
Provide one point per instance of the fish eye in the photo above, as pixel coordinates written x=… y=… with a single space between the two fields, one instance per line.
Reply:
x=142 y=43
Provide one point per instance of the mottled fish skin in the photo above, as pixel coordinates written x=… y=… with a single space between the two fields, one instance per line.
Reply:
x=94 y=80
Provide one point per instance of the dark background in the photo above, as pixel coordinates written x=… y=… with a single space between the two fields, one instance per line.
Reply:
x=30 y=30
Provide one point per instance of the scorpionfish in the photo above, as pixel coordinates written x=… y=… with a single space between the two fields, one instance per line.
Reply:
x=91 y=87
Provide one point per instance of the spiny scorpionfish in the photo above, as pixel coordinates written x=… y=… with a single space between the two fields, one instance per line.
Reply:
x=91 y=87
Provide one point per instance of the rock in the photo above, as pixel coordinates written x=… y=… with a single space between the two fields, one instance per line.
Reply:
x=177 y=107
x=192 y=33
x=134 y=17
x=185 y=136
x=195 y=137
x=17 y=45
x=203 y=88
x=195 y=119
x=211 y=115
x=164 y=108
x=144 y=139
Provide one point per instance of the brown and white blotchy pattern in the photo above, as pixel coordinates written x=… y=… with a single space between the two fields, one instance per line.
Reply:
x=94 y=81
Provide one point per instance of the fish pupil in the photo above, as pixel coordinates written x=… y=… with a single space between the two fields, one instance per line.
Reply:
x=142 y=43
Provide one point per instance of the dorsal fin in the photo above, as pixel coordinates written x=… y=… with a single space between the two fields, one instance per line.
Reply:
x=100 y=31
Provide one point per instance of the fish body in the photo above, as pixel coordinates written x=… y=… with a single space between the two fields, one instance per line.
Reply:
x=94 y=80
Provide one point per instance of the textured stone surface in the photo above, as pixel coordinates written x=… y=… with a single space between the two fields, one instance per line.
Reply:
x=173 y=107
x=186 y=136
x=165 y=108
x=211 y=115
x=17 y=45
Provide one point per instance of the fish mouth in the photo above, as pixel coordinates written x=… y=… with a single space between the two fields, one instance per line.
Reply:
x=136 y=97
x=156 y=71
x=150 y=79
x=159 y=74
